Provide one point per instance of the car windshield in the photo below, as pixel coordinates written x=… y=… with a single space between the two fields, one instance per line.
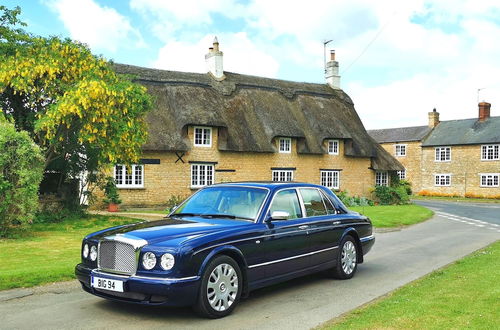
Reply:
x=224 y=202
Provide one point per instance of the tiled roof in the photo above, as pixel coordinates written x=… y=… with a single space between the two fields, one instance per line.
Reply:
x=401 y=134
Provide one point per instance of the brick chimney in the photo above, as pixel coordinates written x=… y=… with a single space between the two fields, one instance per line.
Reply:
x=332 y=72
x=433 y=118
x=214 y=61
x=484 y=111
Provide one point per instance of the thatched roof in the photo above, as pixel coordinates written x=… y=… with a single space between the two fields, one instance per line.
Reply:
x=250 y=112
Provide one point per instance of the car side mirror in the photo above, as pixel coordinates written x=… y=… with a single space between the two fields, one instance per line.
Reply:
x=280 y=215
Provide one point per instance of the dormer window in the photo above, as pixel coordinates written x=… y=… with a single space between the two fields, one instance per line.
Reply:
x=285 y=145
x=333 y=147
x=202 y=137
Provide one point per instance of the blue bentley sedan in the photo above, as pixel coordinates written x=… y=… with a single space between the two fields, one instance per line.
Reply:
x=224 y=241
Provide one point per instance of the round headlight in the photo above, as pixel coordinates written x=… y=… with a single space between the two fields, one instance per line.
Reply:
x=85 y=252
x=167 y=261
x=149 y=260
x=93 y=253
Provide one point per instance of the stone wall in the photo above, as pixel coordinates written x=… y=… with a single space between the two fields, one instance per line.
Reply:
x=173 y=176
x=412 y=161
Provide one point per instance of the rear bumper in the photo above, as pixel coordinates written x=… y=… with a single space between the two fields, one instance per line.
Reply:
x=143 y=290
x=367 y=243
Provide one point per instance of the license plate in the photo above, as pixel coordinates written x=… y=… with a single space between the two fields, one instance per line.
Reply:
x=107 y=284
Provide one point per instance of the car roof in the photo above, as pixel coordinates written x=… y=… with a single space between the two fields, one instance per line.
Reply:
x=269 y=184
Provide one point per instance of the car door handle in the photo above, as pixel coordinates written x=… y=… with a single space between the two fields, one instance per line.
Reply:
x=336 y=222
x=303 y=227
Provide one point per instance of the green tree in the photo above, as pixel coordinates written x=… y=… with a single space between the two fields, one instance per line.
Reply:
x=21 y=170
x=81 y=113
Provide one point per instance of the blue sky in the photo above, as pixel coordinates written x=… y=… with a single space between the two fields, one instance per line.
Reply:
x=398 y=59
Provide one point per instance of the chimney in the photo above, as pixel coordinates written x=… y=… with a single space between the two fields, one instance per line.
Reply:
x=332 y=72
x=484 y=111
x=214 y=61
x=433 y=118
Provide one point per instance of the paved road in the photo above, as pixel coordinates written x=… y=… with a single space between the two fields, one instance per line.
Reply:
x=397 y=258
x=480 y=213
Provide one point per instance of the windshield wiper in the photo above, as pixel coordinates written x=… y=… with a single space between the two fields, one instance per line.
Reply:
x=185 y=214
x=221 y=215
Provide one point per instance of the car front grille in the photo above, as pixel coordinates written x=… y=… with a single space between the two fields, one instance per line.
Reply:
x=115 y=256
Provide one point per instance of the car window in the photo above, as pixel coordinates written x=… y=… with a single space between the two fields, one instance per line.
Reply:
x=313 y=202
x=287 y=201
x=329 y=206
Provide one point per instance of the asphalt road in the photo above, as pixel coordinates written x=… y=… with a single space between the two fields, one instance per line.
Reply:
x=397 y=258
x=486 y=212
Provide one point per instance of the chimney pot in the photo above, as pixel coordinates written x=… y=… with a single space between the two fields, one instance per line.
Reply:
x=433 y=118
x=484 y=111
x=332 y=55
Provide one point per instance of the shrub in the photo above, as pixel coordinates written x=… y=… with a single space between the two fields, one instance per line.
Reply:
x=21 y=168
x=111 y=192
x=174 y=200
x=353 y=200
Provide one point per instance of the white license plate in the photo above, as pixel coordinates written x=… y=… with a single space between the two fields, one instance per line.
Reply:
x=107 y=284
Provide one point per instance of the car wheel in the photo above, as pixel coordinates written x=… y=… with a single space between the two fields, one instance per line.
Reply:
x=347 y=259
x=220 y=289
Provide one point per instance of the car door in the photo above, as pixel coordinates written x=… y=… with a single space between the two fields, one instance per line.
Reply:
x=324 y=226
x=284 y=246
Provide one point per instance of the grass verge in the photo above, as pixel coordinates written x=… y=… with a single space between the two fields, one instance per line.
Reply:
x=388 y=216
x=462 y=295
x=50 y=253
x=457 y=199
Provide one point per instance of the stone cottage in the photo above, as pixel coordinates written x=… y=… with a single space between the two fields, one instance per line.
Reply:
x=227 y=127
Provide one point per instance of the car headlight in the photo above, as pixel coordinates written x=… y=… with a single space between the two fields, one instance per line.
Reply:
x=93 y=253
x=149 y=260
x=85 y=252
x=167 y=261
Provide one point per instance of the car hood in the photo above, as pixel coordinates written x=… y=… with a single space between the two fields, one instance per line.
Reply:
x=171 y=228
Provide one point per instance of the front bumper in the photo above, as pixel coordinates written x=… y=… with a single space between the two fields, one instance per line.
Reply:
x=143 y=290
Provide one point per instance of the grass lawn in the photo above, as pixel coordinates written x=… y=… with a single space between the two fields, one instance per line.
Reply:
x=51 y=253
x=457 y=199
x=386 y=216
x=463 y=295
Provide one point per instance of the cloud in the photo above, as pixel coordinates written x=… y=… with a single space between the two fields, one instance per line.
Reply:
x=98 y=26
x=241 y=55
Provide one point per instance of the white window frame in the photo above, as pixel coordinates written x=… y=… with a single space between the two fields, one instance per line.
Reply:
x=333 y=147
x=330 y=179
x=495 y=151
x=440 y=151
x=438 y=178
x=285 y=145
x=282 y=175
x=381 y=178
x=402 y=150
x=202 y=175
x=402 y=174
x=206 y=135
x=489 y=176
x=136 y=181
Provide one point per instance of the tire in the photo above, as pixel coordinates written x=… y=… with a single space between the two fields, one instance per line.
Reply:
x=347 y=262
x=220 y=290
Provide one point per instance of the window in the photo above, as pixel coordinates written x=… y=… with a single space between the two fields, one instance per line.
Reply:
x=400 y=149
x=442 y=180
x=402 y=175
x=202 y=136
x=201 y=175
x=330 y=179
x=287 y=201
x=381 y=179
x=131 y=177
x=313 y=202
x=333 y=147
x=490 y=180
x=443 y=154
x=490 y=152
x=282 y=175
x=285 y=145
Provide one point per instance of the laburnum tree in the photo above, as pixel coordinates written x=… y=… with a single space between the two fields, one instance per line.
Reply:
x=82 y=114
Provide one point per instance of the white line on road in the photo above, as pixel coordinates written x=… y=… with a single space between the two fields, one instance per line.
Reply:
x=469 y=221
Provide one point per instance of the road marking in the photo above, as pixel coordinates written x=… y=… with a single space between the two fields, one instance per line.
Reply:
x=469 y=221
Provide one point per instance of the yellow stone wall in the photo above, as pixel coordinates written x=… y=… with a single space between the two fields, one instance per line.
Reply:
x=174 y=178
x=412 y=161
x=465 y=168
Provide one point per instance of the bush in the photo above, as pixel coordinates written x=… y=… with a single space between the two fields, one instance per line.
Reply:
x=353 y=200
x=21 y=167
x=111 y=192
x=174 y=200
x=392 y=195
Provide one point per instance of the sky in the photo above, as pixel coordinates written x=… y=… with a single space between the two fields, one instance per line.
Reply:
x=398 y=59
